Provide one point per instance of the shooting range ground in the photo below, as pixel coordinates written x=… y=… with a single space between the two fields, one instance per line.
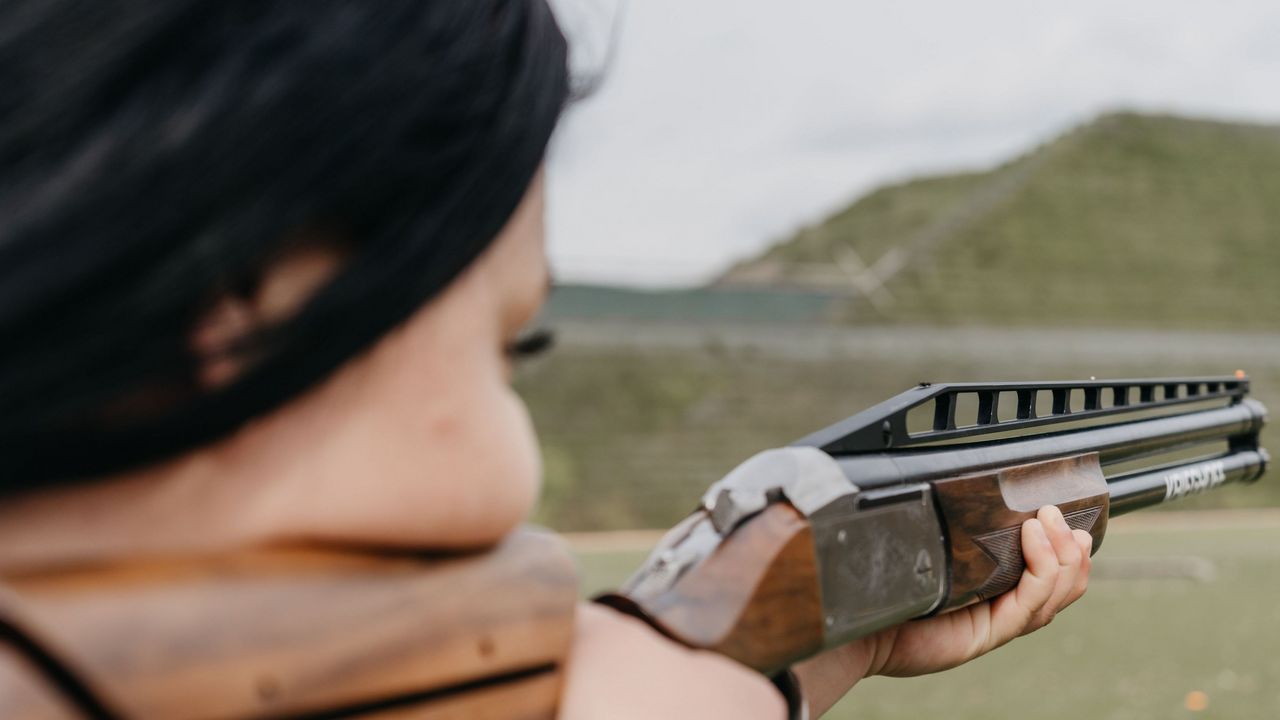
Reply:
x=1180 y=621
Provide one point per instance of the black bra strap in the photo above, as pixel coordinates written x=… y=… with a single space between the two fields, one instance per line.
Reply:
x=15 y=633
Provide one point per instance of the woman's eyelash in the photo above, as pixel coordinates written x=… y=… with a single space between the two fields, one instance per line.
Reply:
x=531 y=344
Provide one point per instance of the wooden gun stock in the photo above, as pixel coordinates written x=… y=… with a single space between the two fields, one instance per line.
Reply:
x=756 y=600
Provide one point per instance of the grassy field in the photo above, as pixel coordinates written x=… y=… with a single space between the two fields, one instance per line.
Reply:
x=1179 y=605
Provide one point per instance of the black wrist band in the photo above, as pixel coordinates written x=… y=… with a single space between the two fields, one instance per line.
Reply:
x=789 y=686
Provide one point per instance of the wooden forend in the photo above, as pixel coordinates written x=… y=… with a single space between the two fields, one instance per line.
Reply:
x=984 y=515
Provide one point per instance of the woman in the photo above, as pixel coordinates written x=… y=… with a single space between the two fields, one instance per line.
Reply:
x=264 y=267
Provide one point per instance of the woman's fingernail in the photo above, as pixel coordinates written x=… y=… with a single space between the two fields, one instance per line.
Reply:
x=1037 y=529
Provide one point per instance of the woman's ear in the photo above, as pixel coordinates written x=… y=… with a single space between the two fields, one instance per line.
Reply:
x=288 y=282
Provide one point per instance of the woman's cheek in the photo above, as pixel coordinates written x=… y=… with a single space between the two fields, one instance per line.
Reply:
x=494 y=469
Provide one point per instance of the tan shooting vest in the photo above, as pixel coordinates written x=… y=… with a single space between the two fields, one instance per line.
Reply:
x=293 y=634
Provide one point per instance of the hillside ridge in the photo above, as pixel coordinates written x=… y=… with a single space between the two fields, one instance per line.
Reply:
x=1131 y=219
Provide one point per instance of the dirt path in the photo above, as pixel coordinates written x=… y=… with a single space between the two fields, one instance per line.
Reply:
x=1234 y=349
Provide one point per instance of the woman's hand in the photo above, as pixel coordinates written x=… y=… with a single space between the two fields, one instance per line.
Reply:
x=1057 y=574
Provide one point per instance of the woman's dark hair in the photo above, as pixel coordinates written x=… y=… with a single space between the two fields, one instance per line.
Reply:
x=156 y=154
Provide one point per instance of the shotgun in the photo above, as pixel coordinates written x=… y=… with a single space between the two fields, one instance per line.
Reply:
x=914 y=507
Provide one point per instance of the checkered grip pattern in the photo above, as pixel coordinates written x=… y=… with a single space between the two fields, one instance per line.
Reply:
x=1005 y=548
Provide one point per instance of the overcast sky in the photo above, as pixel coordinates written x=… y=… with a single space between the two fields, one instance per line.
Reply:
x=725 y=124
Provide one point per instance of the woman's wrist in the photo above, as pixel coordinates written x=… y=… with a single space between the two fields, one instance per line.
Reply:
x=827 y=677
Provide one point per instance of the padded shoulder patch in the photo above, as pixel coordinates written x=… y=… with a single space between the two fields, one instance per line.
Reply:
x=288 y=632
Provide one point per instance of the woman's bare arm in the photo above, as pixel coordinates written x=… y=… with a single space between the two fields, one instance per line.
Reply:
x=622 y=670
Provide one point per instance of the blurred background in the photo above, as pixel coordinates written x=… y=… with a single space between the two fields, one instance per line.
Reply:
x=765 y=217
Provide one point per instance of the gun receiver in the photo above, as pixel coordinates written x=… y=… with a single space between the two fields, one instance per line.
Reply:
x=871 y=522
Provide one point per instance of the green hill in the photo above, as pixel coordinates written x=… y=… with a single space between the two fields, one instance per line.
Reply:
x=1131 y=220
